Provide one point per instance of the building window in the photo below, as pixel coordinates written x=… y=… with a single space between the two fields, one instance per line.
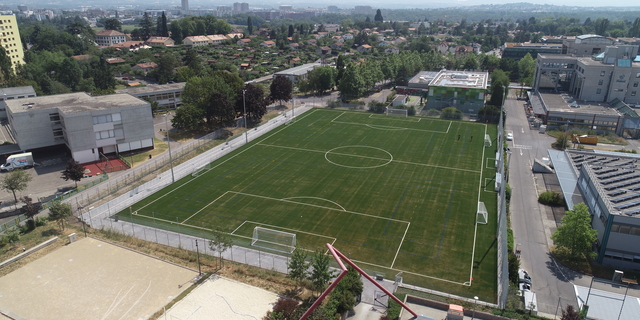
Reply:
x=600 y=82
x=602 y=73
x=633 y=93
x=598 y=91
x=105 y=134
x=635 y=84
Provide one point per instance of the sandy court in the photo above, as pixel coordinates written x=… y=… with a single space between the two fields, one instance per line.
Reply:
x=222 y=298
x=91 y=279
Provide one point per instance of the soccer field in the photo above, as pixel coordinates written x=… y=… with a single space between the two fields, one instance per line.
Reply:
x=397 y=194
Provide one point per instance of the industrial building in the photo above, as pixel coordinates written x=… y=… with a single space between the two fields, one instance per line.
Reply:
x=88 y=126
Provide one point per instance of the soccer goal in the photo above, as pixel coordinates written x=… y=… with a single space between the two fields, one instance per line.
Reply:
x=487 y=141
x=398 y=112
x=201 y=170
x=273 y=239
x=482 y=216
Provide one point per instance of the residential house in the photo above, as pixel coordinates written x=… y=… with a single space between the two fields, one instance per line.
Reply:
x=107 y=38
x=337 y=46
x=399 y=40
x=364 y=48
x=243 y=42
x=217 y=38
x=115 y=60
x=321 y=35
x=312 y=42
x=131 y=45
x=323 y=51
x=332 y=27
x=463 y=50
x=294 y=46
x=234 y=35
x=347 y=36
x=267 y=43
x=392 y=49
x=160 y=42
x=145 y=67
x=337 y=38
x=384 y=43
x=196 y=41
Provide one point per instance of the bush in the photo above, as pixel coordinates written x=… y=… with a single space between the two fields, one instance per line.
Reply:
x=391 y=96
x=393 y=312
x=551 y=198
x=12 y=234
x=433 y=113
x=41 y=221
x=510 y=240
x=412 y=112
x=514 y=266
x=334 y=104
x=451 y=113
x=507 y=193
x=377 y=107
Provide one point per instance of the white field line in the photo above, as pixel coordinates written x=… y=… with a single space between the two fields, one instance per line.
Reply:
x=365 y=157
x=138 y=300
x=489 y=166
x=318 y=206
x=400 y=245
x=475 y=217
x=240 y=226
x=343 y=209
x=288 y=229
x=223 y=162
x=450 y=127
x=340 y=115
x=413 y=273
x=210 y=203
x=378 y=116
x=374 y=126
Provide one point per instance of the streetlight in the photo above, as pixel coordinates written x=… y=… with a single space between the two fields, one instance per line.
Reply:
x=166 y=123
x=244 y=105
x=475 y=301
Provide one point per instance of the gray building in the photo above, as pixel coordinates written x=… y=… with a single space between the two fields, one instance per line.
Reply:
x=612 y=75
x=609 y=183
x=167 y=95
x=586 y=45
x=88 y=126
x=297 y=73
x=14 y=93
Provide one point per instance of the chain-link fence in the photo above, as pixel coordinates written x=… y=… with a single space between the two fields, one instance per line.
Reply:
x=503 y=258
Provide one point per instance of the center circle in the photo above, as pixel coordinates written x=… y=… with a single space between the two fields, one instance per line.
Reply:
x=344 y=151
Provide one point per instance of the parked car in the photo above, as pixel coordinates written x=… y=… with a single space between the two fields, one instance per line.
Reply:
x=509 y=136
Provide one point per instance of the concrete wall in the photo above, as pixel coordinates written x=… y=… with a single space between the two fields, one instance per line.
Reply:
x=33 y=129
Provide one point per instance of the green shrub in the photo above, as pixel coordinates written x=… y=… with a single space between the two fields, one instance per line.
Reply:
x=334 y=104
x=412 y=111
x=377 y=107
x=41 y=221
x=393 y=312
x=451 y=113
x=391 y=96
x=12 y=234
x=510 y=240
x=433 y=113
x=551 y=198
x=508 y=193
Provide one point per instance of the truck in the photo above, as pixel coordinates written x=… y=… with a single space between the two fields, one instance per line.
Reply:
x=22 y=160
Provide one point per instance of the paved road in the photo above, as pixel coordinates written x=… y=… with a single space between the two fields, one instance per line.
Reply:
x=529 y=220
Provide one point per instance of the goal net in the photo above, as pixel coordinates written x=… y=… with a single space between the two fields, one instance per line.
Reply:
x=487 y=141
x=273 y=239
x=482 y=216
x=398 y=112
x=201 y=170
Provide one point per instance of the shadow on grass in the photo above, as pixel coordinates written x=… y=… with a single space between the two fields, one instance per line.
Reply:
x=476 y=264
x=51 y=233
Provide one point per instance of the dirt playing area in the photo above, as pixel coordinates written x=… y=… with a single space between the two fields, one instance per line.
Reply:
x=91 y=279
x=222 y=298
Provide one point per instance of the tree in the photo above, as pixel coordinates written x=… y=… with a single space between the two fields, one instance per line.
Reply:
x=298 y=265
x=74 y=172
x=166 y=65
x=256 y=104
x=343 y=296
x=146 y=26
x=451 y=113
x=351 y=85
x=514 y=267
x=58 y=212
x=220 y=242
x=164 y=30
x=378 y=17
x=321 y=79
x=16 y=180
x=570 y=314
x=188 y=117
x=489 y=114
x=112 y=24
x=575 y=234
x=30 y=209
x=320 y=274
x=176 y=32
x=218 y=111
x=249 y=25
x=6 y=72
x=280 y=89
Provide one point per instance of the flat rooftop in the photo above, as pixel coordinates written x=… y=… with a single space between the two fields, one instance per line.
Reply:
x=74 y=102
x=563 y=102
x=16 y=91
x=423 y=78
x=299 y=70
x=617 y=175
x=154 y=88
x=461 y=79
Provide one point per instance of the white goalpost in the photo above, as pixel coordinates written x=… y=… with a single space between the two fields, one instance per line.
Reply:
x=398 y=112
x=201 y=170
x=273 y=239
x=482 y=215
x=487 y=141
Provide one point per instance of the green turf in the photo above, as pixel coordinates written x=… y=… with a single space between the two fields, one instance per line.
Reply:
x=394 y=193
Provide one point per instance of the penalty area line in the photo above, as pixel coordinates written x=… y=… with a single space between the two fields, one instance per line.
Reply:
x=400 y=246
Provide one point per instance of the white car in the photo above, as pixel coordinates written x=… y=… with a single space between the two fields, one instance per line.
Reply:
x=509 y=136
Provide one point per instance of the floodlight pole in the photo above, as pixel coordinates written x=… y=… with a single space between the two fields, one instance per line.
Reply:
x=166 y=123
x=244 y=104
x=198 y=253
x=475 y=301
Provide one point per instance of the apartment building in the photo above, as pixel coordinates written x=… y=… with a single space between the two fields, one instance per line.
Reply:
x=10 y=39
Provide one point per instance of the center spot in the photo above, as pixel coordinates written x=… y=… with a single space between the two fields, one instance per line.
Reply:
x=358 y=157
